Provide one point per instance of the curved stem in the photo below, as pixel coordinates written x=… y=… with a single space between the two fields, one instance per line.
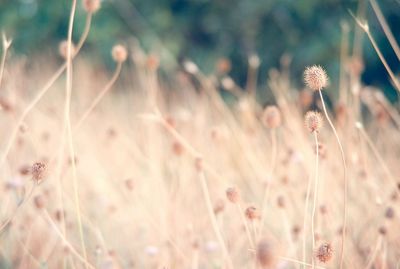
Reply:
x=68 y=92
x=315 y=197
x=344 y=180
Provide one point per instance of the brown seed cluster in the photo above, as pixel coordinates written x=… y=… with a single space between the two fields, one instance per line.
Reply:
x=313 y=121
x=272 y=117
x=324 y=252
x=315 y=77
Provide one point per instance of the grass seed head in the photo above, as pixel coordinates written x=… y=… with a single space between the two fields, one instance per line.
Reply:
x=324 y=252
x=313 y=121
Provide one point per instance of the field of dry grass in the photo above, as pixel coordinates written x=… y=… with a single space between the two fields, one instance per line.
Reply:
x=106 y=171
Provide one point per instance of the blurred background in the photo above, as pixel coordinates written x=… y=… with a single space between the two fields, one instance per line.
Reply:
x=207 y=30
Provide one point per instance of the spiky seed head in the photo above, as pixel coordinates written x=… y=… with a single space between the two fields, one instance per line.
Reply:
x=63 y=49
x=37 y=170
x=233 y=195
x=324 y=252
x=252 y=213
x=91 y=6
x=119 y=53
x=272 y=117
x=265 y=254
x=313 y=121
x=315 y=77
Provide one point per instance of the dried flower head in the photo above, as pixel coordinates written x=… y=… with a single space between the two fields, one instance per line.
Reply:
x=313 y=121
x=252 y=213
x=324 y=252
x=91 y=6
x=63 y=49
x=119 y=53
x=315 y=77
x=38 y=169
x=265 y=253
x=272 y=117
x=233 y=195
